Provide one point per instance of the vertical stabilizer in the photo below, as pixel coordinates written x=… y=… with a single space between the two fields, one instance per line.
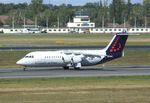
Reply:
x=116 y=46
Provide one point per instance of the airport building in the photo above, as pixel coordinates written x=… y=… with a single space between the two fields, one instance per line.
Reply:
x=81 y=22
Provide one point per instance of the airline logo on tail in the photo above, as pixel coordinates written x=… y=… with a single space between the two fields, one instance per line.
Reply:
x=117 y=44
x=116 y=47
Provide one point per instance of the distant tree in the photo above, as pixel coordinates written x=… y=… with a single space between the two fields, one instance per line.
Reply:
x=146 y=9
x=37 y=6
x=146 y=6
x=117 y=10
x=137 y=17
x=1 y=8
x=129 y=9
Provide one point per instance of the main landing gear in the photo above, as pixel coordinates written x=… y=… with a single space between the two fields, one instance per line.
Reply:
x=77 y=68
x=67 y=68
x=24 y=69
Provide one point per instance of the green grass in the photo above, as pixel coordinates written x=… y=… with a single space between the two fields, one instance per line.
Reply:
x=68 y=39
x=133 y=57
x=8 y=59
x=120 y=89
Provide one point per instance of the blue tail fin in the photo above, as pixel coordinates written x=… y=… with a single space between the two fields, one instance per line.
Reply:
x=116 y=46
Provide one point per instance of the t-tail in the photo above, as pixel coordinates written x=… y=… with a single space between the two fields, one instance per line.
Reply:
x=115 y=47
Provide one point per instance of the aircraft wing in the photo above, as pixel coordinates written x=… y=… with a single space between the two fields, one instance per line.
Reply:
x=76 y=53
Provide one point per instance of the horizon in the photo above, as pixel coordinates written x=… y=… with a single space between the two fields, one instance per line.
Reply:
x=59 y=2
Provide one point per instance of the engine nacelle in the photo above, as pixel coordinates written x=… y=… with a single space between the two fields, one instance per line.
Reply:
x=73 y=60
x=76 y=59
x=67 y=58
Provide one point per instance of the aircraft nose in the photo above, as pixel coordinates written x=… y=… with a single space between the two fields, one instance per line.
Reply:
x=20 y=62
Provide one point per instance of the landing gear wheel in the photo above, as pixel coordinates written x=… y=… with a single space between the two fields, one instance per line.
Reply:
x=24 y=69
x=77 y=68
x=66 y=68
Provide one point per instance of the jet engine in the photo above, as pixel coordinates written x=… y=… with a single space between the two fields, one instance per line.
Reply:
x=73 y=60
x=67 y=59
x=76 y=59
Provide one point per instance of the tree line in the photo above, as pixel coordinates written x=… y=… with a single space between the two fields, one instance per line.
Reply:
x=101 y=12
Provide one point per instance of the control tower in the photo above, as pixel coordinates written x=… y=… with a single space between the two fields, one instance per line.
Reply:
x=81 y=20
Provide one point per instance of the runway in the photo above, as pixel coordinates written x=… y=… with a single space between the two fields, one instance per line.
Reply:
x=84 y=72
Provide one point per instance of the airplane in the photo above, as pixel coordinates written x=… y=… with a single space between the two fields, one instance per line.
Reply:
x=76 y=58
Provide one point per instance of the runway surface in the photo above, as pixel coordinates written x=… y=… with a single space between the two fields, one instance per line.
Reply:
x=84 y=72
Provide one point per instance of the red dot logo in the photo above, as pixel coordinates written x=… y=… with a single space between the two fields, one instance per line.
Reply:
x=116 y=48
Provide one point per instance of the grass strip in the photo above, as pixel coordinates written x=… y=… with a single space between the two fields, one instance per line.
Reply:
x=114 y=89
x=68 y=39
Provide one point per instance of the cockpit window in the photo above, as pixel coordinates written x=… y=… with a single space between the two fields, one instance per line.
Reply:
x=29 y=56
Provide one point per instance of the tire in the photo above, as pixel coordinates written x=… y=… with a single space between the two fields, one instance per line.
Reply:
x=77 y=68
x=66 y=68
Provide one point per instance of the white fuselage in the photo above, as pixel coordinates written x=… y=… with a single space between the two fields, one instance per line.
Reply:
x=63 y=58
